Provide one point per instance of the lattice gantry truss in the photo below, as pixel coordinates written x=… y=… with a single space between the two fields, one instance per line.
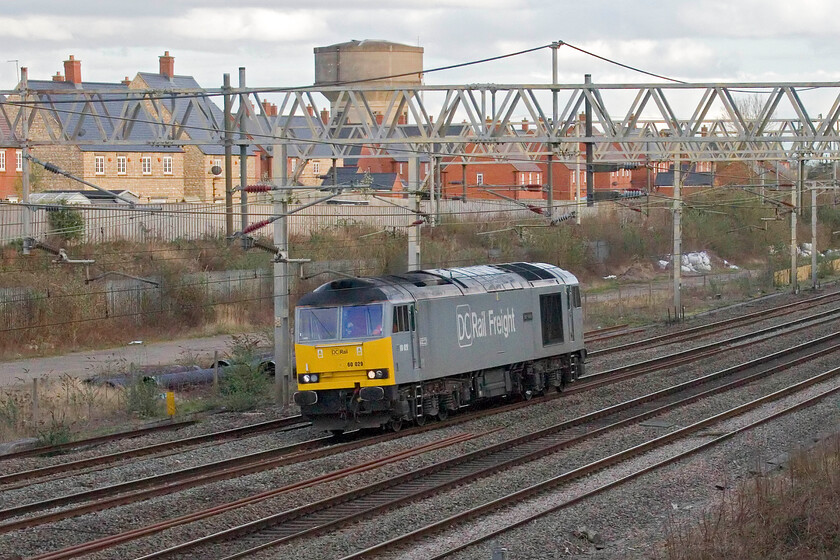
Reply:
x=629 y=122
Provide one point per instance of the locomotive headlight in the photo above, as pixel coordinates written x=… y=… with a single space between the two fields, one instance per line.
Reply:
x=314 y=378
x=381 y=374
x=306 y=378
x=371 y=374
x=309 y=378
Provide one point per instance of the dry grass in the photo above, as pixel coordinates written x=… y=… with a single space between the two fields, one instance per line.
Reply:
x=66 y=406
x=791 y=515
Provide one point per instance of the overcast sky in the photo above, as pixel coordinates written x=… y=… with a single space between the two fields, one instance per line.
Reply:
x=701 y=40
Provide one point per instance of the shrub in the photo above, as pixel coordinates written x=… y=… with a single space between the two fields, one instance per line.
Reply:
x=55 y=431
x=244 y=385
x=66 y=223
x=142 y=397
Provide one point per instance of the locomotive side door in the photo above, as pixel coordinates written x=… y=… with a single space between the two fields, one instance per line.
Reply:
x=570 y=314
x=415 y=336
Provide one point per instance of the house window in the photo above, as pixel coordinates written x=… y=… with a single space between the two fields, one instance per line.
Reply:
x=99 y=165
x=539 y=178
x=521 y=178
x=167 y=165
x=120 y=165
x=146 y=165
x=316 y=167
x=293 y=166
x=18 y=160
x=2 y=159
x=479 y=178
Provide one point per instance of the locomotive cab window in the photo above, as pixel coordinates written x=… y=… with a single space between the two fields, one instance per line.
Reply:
x=361 y=321
x=551 y=315
x=317 y=323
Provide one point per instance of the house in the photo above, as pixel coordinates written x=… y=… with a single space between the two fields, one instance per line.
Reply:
x=10 y=167
x=351 y=177
x=693 y=176
x=153 y=173
x=199 y=182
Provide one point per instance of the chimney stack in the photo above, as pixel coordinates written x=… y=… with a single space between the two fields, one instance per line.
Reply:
x=167 y=65
x=310 y=110
x=73 y=70
x=325 y=116
x=524 y=125
x=269 y=109
x=58 y=77
x=126 y=81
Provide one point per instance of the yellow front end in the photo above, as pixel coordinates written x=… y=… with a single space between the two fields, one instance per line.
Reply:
x=343 y=365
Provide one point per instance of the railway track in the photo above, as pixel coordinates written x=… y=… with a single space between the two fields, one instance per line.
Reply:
x=87 y=442
x=364 y=502
x=393 y=546
x=29 y=476
x=145 y=488
x=694 y=333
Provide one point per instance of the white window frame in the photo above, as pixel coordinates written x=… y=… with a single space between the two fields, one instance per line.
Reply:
x=18 y=160
x=167 y=165
x=479 y=178
x=121 y=165
x=539 y=178
x=99 y=165
x=521 y=178
x=2 y=159
x=146 y=165
x=316 y=167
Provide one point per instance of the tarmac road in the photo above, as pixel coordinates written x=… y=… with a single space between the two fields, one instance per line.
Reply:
x=115 y=360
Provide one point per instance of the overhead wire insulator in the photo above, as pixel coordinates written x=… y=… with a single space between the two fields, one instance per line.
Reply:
x=417 y=223
x=563 y=217
x=257 y=188
x=535 y=209
x=632 y=193
x=255 y=226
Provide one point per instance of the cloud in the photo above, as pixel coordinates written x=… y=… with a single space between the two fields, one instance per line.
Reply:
x=235 y=24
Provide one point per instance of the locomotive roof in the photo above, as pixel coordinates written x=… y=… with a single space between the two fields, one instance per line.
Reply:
x=438 y=282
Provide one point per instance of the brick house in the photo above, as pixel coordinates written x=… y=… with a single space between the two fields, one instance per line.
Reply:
x=199 y=183
x=155 y=174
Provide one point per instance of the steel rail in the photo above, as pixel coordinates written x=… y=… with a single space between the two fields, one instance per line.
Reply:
x=127 y=492
x=550 y=484
x=233 y=433
x=692 y=354
x=292 y=524
x=127 y=434
x=696 y=332
x=191 y=482
x=114 y=540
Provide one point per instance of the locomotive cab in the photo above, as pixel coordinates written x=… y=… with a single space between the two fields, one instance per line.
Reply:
x=344 y=358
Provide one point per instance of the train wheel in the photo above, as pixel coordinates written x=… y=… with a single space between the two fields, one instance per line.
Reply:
x=395 y=424
x=420 y=420
x=442 y=414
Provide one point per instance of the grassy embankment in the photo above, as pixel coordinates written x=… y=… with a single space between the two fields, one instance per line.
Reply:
x=789 y=515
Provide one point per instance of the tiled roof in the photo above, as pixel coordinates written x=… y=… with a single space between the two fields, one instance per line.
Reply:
x=349 y=176
x=75 y=115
